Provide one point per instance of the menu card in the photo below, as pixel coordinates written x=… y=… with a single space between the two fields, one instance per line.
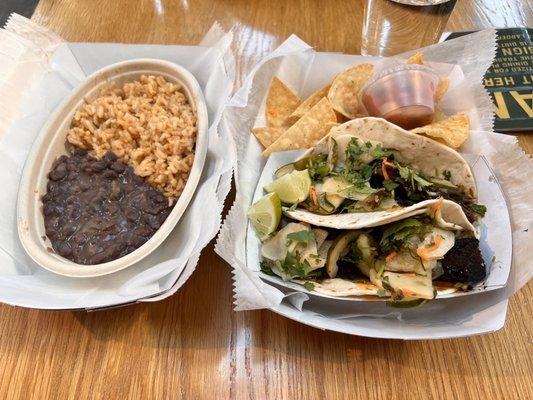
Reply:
x=509 y=80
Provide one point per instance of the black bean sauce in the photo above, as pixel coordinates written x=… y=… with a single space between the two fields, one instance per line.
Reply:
x=98 y=210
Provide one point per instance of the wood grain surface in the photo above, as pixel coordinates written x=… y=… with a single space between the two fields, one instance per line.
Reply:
x=192 y=345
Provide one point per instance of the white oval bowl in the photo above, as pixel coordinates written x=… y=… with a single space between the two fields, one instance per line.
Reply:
x=51 y=143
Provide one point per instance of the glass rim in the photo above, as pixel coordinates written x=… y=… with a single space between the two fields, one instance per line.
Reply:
x=421 y=3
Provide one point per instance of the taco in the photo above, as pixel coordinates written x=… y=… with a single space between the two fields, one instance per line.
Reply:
x=367 y=166
x=403 y=260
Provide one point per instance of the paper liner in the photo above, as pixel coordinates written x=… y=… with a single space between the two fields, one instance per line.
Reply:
x=473 y=53
x=514 y=170
x=26 y=49
x=57 y=68
x=250 y=291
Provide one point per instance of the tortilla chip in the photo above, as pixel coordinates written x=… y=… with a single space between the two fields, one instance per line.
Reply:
x=442 y=88
x=344 y=91
x=307 y=131
x=306 y=105
x=281 y=102
x=267 y=136
x=453 y=131
x=417 y=58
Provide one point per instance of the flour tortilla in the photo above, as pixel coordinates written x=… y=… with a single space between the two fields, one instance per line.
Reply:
x=338 y=287
x=422 y=153
x=451 y=213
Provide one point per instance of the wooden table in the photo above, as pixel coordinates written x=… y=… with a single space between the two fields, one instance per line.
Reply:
x=193 y=346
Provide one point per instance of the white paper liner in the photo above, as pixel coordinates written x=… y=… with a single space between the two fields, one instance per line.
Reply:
x=457 y=319
x=250 y=291
x=473 y=54
x=25 y=49
x=59 y=68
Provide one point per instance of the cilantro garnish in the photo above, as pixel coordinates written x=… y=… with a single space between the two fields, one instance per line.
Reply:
x=396 y=234
x=359 y=189
x=421 y=182
x=354 y=152
x=390 y=185
x=396 y=227
x=309 y=286
x=303 y=236
x=318 y=167
x=292 y=266
x=380 y=152
x=479 y=209
x=409 y=175
x=363 y=168
x=266 y=269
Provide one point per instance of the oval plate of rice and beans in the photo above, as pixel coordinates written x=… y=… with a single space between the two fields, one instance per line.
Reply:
x=113 y=169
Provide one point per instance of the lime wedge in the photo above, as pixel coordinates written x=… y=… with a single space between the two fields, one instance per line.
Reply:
x=292 y=187
x=265 y=215
x=284 y=169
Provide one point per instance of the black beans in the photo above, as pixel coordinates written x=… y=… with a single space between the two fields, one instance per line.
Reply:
x=118 y=166
x=98 y=210
x=98 y=166
x=143 y=230
x=64 y=249
x=59 y=172
x=48 y=209
x=109 y=174
x=110 y=157
x=131 y=213
x=153 y=221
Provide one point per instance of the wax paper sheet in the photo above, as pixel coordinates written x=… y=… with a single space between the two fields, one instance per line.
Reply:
x=52 y=68
x=464 y=61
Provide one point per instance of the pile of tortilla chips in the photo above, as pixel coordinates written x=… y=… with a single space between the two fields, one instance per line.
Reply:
x=295 y=124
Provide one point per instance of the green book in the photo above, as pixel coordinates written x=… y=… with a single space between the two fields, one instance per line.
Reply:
x=509 y=80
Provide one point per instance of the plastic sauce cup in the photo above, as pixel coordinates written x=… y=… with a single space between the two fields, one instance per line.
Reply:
x=403 y=95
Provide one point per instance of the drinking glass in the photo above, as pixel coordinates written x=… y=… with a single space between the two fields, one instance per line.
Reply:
x=395 y=26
